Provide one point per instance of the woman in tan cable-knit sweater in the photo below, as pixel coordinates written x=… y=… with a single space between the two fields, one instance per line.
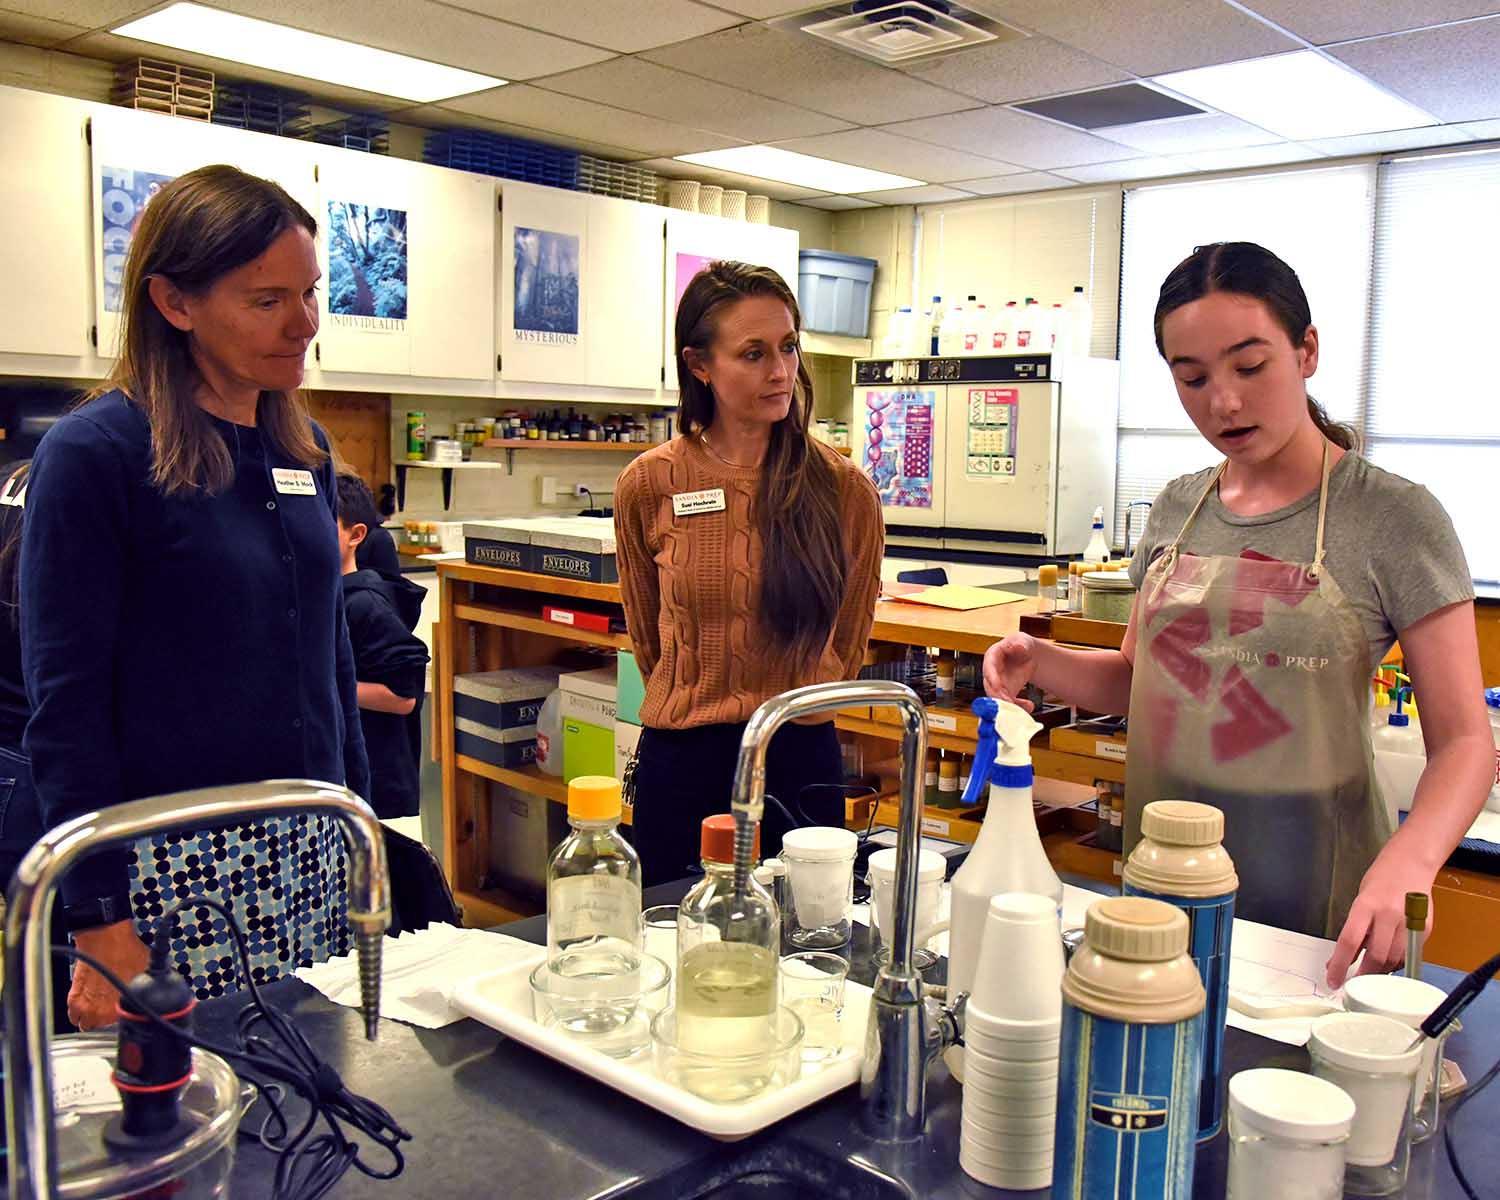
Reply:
x=749 y=559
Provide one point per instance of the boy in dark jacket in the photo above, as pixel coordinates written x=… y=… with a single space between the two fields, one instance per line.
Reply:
x=390 y=662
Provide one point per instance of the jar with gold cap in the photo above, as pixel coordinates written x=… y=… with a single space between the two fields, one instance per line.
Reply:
x=1130 y=1057
x=594 y=878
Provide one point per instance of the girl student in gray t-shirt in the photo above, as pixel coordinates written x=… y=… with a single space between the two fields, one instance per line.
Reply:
x=1269 y=589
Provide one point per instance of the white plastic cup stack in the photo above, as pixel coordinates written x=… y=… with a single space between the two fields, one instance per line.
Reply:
x=1410 y=1001
x=1011 y=1032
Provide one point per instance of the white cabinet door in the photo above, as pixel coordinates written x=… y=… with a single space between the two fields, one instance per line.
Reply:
x=544 y=274
x=45 y=253
x=694 y=240
x=407 y=250
x=622 y=293
x=136 y=152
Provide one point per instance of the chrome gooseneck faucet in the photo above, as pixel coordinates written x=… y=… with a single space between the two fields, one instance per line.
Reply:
x=907 y=1030
x=28 y=923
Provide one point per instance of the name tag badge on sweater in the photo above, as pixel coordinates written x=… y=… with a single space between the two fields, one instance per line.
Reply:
x=294 y=483
x=690 y=504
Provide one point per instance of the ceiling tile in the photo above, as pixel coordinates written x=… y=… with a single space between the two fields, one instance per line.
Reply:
x=932 y=194
x=1396 y=139
x=673 y=169
x=882 y=151
x=1027 y=181
x=702 y=103
x=89 y=14
x=35 y=31
x=1449 y=71
x=1233 y=158
x=1145 y=36
x=432 y=31
x=762 y=9
x=1117 y=172
x=116 y=49
x=838 y=203
x=1022 y=69
x=434 y=116
x=552 y=113
x=773 y=62
x=1186 y=135
x=1330 y=22
x=1012 y=137
x=623 y=25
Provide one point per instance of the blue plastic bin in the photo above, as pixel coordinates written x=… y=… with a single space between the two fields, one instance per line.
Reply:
x=833 y=291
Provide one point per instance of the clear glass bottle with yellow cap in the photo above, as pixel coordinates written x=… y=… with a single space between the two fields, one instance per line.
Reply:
x=728 y=947
x=594 y=878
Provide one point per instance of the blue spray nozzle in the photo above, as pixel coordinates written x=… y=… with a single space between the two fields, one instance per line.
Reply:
x=986 y=752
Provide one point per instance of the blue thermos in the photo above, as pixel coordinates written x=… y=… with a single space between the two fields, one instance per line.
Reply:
x=1180 y=859
x=1129 y=1058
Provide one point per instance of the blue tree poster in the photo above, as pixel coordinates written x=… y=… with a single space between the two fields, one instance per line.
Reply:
x=546 y=286
x=123 y=196
x=366 y=265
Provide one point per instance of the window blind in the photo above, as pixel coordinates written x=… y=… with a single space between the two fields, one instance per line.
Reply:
x=1320 y=221
x=1434 y=400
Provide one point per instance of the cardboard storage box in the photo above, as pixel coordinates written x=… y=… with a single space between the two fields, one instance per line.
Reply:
x=498 y=544
x=504 y=699
x=524 y=830
x=566 y=547
x=588 y=720
x=498 y=747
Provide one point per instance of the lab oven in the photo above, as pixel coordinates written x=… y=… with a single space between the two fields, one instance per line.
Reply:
x=1007 y=454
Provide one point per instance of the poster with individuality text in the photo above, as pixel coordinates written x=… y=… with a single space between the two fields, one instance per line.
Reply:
x=367 y=267
x=898 y=428
x=123 y=196
x=547 y=293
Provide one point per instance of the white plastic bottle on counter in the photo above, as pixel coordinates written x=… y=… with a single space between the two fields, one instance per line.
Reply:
x=1078 y=319
x=951 y=335
x=1098 y=549
x=1026 y=327
x=973 y=321
x=935 y=325
x=1004 y=336
x=1008 y=854
x=897 y=333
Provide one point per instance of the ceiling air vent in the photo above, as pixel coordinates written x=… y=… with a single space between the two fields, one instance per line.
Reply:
x=899 y=31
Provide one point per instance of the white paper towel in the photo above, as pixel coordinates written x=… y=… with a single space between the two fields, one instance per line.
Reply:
x=420 y=970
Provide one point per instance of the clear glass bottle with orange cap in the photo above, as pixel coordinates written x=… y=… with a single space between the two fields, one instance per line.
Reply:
x=728 y=947
x=594 y=878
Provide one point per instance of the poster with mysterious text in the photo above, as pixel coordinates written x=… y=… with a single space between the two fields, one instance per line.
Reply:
x=897 y=446
x=366 y=267
x=546 y=287
x=123 y=196
x=688 y=265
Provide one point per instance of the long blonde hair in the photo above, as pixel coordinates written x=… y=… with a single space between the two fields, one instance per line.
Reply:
x=197 y=229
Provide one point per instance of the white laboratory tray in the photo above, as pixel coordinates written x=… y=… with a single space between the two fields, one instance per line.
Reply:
x=502 y=1000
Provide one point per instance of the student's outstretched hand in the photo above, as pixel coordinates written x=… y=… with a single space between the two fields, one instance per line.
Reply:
x=1008 y=667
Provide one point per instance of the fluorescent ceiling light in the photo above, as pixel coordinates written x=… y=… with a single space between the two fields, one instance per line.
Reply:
x=785 y=166
x=1299 y=96
x=275 y=47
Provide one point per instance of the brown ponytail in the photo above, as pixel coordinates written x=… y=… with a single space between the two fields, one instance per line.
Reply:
x=797 y=506
x=1247 y=269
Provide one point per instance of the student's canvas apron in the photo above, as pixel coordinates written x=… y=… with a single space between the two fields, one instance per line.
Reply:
x=1249 y=693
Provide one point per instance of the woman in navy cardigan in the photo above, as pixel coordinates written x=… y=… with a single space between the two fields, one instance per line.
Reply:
x=181 y=615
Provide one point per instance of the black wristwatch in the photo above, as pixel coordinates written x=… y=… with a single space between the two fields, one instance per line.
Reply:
x=101 y=910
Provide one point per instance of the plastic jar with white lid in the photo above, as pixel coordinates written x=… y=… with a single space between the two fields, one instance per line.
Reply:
x=820 y=886
x=932 y=868
x=1287 y=1133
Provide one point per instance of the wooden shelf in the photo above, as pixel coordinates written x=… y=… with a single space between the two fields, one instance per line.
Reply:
x=529 y=779
x=527 y=581
x=570 y=447
x=494 y=906
x=505 y=618
x=884 y=729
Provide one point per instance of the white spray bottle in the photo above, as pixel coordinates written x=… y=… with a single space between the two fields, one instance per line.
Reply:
x=1008 y=854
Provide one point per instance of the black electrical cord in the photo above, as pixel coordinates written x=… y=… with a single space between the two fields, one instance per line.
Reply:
x=1453 y=1111
x=308 y=1166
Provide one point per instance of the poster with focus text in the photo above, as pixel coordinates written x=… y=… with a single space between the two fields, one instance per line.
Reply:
x=547 y=292
x=123 y=196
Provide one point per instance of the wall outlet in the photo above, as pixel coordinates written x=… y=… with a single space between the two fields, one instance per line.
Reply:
x=580 y=489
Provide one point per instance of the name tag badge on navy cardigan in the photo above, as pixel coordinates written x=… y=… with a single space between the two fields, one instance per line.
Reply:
x=690 y=504
x=294 y=483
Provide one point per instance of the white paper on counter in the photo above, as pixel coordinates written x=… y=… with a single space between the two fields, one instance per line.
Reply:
x=419 y=971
